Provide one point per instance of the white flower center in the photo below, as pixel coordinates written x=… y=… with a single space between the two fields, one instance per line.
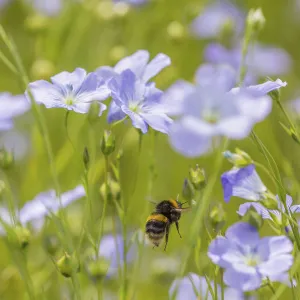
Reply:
x=252 y=260
x=210 y=115
x=69 y=100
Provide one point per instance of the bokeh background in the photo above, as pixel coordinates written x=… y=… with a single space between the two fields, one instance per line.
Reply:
x=90 y=34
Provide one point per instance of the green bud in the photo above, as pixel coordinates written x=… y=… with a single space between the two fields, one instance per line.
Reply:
x=6 y=159
x=239 y=159
x=176 y=30
x=67 y=265
x=197 y=178
x=270 y=202
x=36 y=23
x=188 y=191
x=51 y=244
x=86 y=158
x=42 y=69
x=108 y=143
x=114 y=190
x=217 y=217
x=121 y=9
x=21 y=237
x=254 y=218
x=256 y=20
x=97 y=269
x=104 y=10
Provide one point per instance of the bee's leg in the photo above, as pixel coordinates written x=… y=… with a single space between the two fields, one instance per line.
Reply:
x=167 y=235
x=177 y=227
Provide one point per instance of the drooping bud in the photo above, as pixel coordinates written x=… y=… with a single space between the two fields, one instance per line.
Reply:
x=114 y=190
x=217 y=217
x=239 y=159
x=188 y=191
x=254 y=218
x=86 y=158
x=256 y=19
x=21 y=237
x=6 y=159
x=108 y=143
x=97 y=268
x=51 y=244
x=197 y=178
x=67 y=265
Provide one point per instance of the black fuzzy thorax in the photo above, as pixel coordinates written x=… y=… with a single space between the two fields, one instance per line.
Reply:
x=167 y=209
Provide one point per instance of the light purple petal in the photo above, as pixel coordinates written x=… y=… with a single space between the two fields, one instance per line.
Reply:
x=242 y=281
x=243 y=234
x=159 y=122
x=295 y=209
x=190 y=136
x=289 y=201
x=136 y=63
x=217 y=248
x=48 y=8
x=115 y=113
x=74 y=78
x=12 y=106
x=6 y=125
x=158 y=63
x=276 y=265
x=261 y=210
x=137 y=120
x=283 y=278
x=106 y=73
x=233 y=294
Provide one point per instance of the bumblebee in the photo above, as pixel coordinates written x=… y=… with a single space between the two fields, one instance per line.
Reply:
x=158 y=223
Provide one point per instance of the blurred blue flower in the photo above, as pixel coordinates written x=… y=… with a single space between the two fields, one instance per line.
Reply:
x=46 y=7
x=11 y=106
x=271 y=214
x=3 y=3
x=111 y=248
x=215 y=17
x=139 y=64
x=72 y=91
x=244 y=183
x=139 y=101
x=209 y=110
x=260 y=61
x=247 y=259
x=132 y=2
x=185 y=289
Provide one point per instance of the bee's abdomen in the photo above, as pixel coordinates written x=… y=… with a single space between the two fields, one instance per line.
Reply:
x=156 y=228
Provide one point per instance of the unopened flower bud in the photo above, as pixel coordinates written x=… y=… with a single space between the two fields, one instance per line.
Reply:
x=188 y=191
x=86 y=158
x=217 y=217
x=21 y=237
x=97 y=268
x=197 y=178
x=270 y=202
x=176 y=30
x=36 y=23
x=254 y=218
x=105 y=10
x=6 y=159
x=42 y=69
x=239 y=159
x=256 y=19
x=108 y=143
x=67 y=265
x=51 y=244
x=114 y=190
x=94 y=111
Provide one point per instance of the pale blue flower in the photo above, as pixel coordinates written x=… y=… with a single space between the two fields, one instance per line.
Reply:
x=247 y=259
x=212 y=20
x=132 y=2
x=11 y=106
x=185 y=289
x=3 y=3
x=72 y=91
x=275 y=215
x=111 y=248
x=139 y=101
x=261 y=60
x=46 y=7
x=139 y=64
x=244 y=183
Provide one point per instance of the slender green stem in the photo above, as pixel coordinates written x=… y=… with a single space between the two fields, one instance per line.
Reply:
x=99 y=286
x=222 y=285
x=269 y=284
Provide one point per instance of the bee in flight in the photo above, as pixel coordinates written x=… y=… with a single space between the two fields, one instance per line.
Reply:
x=159 y=222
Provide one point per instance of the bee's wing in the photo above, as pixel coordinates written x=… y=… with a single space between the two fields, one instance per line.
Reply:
x=183 y=209
x=150 y=199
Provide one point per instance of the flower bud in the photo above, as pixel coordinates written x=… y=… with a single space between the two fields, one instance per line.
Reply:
x=51 y=244
x=86 y=158
x=217 y=217
x=256 y=19
x=36 y=23
x=176 y=30
x=114 y=190
x=42 y=69
x=269 y=201
x=97 y=268
x=94 y=111
x=6 y=159
x=188 y=191
x=21 y=237
x=239 y=159
x=197 y=178
x=254 y=218
x=67 y=265
x=108 y=143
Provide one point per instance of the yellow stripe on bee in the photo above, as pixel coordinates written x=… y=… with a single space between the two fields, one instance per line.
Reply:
x=157 y=217
x=174 y=203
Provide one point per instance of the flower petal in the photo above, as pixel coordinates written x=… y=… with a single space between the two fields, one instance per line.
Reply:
x=137 y=120
x=242 y=281
x=115 y=113
x=276 y=265
x=6 y=124
x=106 y=73
x=190 y=137
x=261 y=210
x=217 y=248
x=159 y=122
x=158 y=63
x=74 y=78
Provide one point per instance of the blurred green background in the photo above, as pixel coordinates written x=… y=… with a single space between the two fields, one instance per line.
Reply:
x=88 y=36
